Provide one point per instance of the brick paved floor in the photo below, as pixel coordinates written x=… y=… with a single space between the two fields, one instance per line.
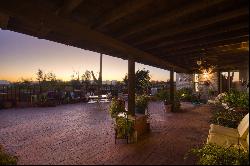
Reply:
x=82 y=134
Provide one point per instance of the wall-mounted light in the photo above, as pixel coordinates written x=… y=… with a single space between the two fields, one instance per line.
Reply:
x=198 y=62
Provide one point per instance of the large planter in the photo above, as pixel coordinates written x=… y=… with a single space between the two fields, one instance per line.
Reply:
x=168 y=107
x=139 y=110
x=7 y=104
x=241 y=110
x=23 y=104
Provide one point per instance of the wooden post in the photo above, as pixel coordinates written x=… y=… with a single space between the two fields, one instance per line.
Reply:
x=172 y=88
x=219 y=82
x=131 y=86
x=228 y=79
x=100 y=76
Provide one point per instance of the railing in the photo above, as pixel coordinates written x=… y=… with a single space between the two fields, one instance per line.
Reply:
x=19 y=93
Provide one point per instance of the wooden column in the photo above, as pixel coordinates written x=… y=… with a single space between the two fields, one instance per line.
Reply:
x=228 y=79
x=219 y=81
x=131 y=86
x=172 y=87
x=100 y=77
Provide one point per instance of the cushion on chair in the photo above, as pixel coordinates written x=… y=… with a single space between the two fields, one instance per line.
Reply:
x=248 y=141
x=243 y=127
x=223 y=130
x=221 y=140
x=225 y=141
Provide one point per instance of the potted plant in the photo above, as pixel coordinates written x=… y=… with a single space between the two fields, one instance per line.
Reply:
x=141 y=103
x=164 y=96
x=123 y=126
x=117 y=106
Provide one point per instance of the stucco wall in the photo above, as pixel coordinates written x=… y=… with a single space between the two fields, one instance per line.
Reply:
x=187 y=80
x=184 y=81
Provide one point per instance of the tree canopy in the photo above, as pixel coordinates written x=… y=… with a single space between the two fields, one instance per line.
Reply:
x=142 y=80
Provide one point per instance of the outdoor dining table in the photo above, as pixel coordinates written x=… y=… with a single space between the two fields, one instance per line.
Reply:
x=98 y=99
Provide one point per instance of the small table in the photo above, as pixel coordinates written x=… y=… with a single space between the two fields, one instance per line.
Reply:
x=98 y=99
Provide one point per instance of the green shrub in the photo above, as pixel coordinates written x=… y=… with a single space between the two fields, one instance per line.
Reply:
x=227 y=118
x=185 y=94
x=237 y=99
x=6 y=159
x=211 y=154
x=117 y=106
x=163 y=95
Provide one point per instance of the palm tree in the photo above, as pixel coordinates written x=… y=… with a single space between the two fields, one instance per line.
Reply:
x=99 y=80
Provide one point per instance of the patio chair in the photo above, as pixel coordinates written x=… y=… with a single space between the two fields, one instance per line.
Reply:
x=225 y=136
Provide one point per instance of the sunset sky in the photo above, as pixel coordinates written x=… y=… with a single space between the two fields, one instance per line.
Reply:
x=22 y=55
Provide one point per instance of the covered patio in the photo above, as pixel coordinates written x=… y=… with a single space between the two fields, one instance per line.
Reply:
x=171 y=35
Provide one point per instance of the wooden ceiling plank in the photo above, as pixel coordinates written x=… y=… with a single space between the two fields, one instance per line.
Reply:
x=200 y=42
x=123 y=10
x=198 y=47
x=172 y=16
x=215 y=42
x=195 y=36
x=209 y=50
x=194 y=26
x=68 y=7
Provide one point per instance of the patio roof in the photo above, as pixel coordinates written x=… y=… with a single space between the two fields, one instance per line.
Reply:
x=161 y=33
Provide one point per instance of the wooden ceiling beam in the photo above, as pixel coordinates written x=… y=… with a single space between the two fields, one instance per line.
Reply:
x=203 y=34
x=193 y=26
x=123 y=10
x=169 y=17
x=4 y=20
x=78 y=31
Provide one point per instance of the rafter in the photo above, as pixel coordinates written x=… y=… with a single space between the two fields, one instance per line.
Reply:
x=172 y=16
x=194 y=25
